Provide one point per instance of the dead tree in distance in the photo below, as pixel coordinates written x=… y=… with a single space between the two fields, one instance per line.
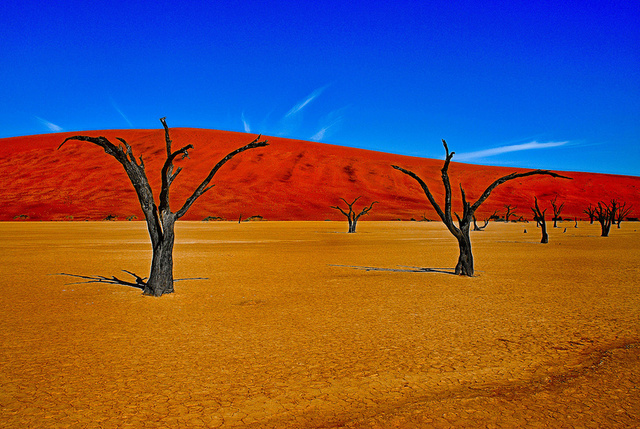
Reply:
x=464 y=265
x=606 y=215
x=160 y=219
x=623 y=212
x=557 y=209
x=510 y=212
x=591 y=212
x=538 y=216
x=486 y=222
x=351 y=215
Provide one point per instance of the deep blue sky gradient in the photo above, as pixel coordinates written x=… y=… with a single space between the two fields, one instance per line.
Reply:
x=555 y=83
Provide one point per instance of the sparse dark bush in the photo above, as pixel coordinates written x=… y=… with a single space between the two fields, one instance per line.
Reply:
x=214 y=218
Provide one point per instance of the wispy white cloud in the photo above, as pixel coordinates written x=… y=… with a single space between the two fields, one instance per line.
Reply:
x=329 y=121
x=115 y=106
x=506 y=149
x=50 y=125
x=245 y=123
x=295 y=109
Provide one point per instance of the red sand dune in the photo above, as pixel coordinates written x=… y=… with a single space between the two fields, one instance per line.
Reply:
x=288 y=180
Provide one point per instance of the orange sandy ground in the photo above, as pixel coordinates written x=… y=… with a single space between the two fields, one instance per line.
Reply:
x=283 y=335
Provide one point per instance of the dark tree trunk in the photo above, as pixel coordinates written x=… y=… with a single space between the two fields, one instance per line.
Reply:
x=161 y=276
x=545 y=236
x=464 y=267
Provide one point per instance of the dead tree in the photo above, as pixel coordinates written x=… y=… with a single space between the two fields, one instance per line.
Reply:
x=464 y=265
x=486 y=222
x=510 y=212
x=557 y=209
x=606 y=215
x=538 y=216
x=591 y=212
x=351 y=215
x=623 y=212
x=160 y=219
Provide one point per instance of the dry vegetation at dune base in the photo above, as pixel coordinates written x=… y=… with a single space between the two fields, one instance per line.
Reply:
x=288 y=328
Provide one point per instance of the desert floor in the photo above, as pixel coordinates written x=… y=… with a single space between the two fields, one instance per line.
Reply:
x=288 y=330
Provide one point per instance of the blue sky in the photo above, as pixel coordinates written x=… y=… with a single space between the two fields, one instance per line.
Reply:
x=526 y=84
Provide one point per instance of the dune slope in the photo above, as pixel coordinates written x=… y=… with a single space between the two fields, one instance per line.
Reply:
x=288 y=180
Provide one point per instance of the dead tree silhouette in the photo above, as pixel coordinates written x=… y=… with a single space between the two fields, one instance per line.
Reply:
x=351 y=215
x=510 y=212
x=591 y=212
x=464 y=265
x=538 y=216
x=557 y=209
x=606 y=215
x=623 y=212
x=160 y=219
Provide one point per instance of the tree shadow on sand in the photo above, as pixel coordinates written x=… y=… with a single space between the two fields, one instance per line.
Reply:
x=402 y=269
x=140 y=282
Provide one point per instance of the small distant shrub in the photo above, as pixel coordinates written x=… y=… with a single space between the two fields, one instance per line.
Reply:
x=111 y=217
x=19 y=217
x=132 y=217
x=208 y=218
x=254 y=218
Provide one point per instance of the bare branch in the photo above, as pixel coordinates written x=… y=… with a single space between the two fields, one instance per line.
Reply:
x=137 y=177
x=447 y=187
x=166 y=135
x=425 y=188
x=343 y=212
x=512 y=176
x=103 y=142
x=365 y=210
x=167 y=176
x=203 y=186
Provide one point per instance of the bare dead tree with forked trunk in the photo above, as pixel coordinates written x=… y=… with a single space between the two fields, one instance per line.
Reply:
x=464 y=265
x=606 y=214
x=538 y=216
x=160 y=219
x=591 y=212
x=557 y=209
x=623 y=212
x=351 y=215
x=510 y=212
